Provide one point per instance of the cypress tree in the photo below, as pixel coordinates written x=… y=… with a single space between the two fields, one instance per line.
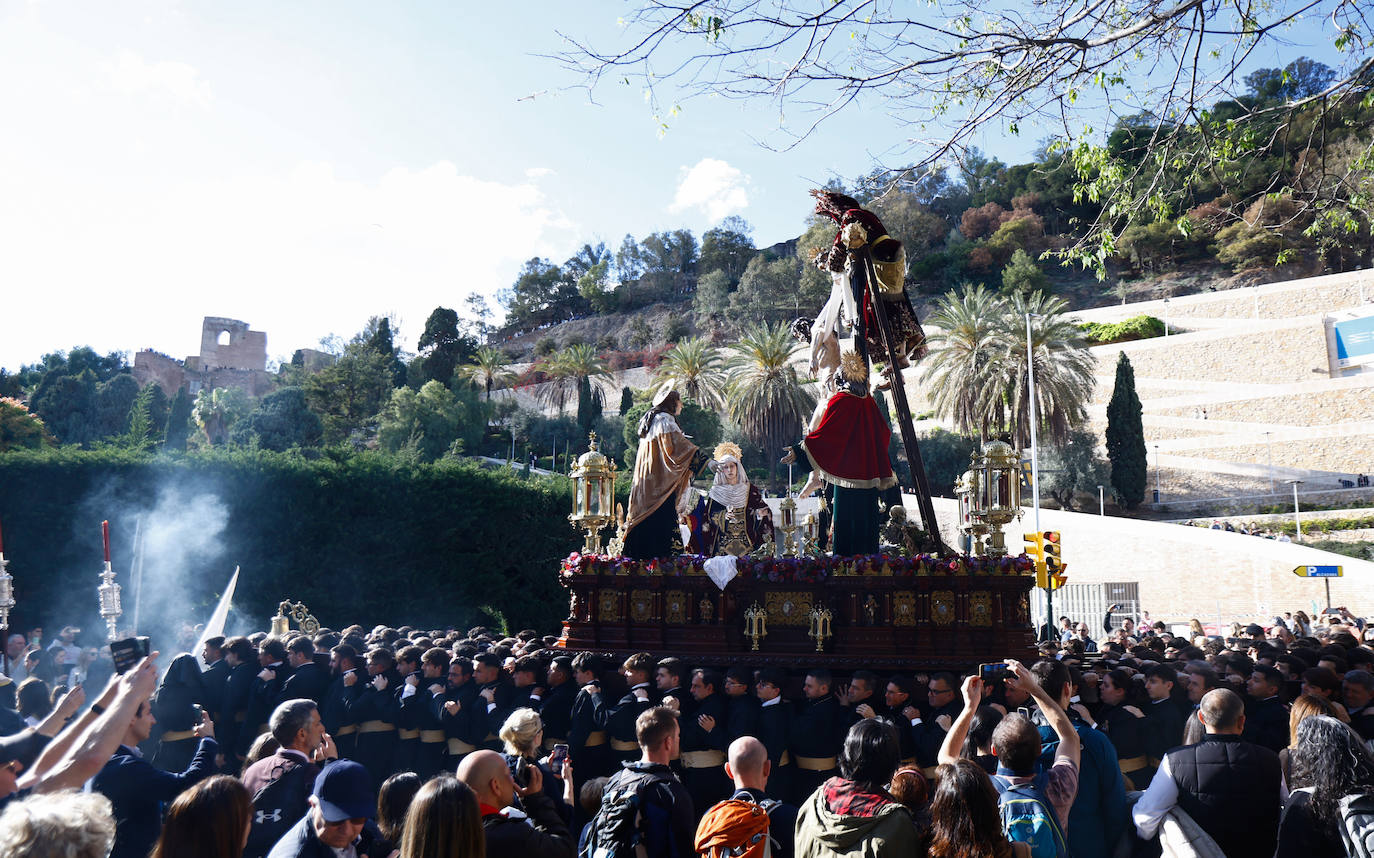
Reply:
x=589 y=404
x=1126 y=438
x=178 y=422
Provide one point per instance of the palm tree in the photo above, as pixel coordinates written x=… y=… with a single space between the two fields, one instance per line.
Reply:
x=696 y=369
x=1064 y=369
x=488 y=371
x=764 y=393
x=568 y=370
x=976 y=370
x=958 y=371
x=216 y=410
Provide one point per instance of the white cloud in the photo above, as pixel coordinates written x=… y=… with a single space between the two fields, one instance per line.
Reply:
x=538 y=172
x=132 y=75
x=298 y=254
x=713 y=187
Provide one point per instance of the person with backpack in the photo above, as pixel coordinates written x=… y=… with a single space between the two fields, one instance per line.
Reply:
x=280 y=784
x=1099 y=817
x=854 y=815
x=1034 y=804
x=748 y=824
x=1330 y=763
x=645 y=811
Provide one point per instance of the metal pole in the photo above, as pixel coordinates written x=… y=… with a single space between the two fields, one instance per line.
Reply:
x=1035 y=464
x=1269 y=447
x=1166 y=317
x=1101 y=502
x=1327 y=582
x=1297 y=522
x=136 y=573
x=1156 y=470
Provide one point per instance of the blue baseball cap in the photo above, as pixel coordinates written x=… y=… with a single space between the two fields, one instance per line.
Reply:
x=344 y=791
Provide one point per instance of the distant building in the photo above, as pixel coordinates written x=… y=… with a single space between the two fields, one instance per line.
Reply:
x=231 y=355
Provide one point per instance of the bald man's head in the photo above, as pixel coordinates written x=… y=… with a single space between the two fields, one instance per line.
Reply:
x=748 y=765
x=488 y=776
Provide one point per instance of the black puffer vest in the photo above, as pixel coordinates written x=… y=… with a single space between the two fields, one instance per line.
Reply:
x=1231 y=788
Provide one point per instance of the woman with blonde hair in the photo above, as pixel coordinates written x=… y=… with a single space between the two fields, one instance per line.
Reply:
x=523 y=736
x=1195 y=629
x=443 y=821
x=1303 y=708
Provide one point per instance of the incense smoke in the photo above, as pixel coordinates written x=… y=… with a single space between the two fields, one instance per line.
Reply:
x=177 y=543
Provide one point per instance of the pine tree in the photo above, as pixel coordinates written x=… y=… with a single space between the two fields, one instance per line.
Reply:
x=1126 y=438
x=627 y=400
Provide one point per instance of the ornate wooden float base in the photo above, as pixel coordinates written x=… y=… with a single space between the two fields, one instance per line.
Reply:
x=921 y=613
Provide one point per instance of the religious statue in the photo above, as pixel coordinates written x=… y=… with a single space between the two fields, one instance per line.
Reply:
x=732 y=517
x=900 y=537
x=664 y=465
x=860 y=228
x=846 y=448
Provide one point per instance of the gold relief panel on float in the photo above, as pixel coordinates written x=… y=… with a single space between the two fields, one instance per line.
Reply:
x=675 y=607
x=607 y=609
x=942 y=607
x=903 y=608
x=641 y=605
x=980 y=609
x=788 y=608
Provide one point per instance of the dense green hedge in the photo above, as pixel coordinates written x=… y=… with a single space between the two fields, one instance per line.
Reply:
x=1135 y=328
x=359 y=537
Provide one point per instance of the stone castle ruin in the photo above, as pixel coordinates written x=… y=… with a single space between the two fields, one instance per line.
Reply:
x=231 y=355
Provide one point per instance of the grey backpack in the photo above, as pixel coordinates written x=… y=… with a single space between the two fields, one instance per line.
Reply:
x=1357 y=825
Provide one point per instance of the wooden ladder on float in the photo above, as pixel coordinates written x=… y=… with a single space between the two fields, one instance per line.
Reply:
x=920 y=486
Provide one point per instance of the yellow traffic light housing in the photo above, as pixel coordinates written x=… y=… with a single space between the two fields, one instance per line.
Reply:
x=1054 y=561
x=1035 y=549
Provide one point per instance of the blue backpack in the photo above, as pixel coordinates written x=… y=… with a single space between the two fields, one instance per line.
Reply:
x=1028 y=816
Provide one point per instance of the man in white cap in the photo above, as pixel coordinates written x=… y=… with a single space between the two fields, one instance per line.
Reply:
x=663 y=470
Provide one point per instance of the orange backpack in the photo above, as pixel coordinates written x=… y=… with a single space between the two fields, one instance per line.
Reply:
x=736 y=828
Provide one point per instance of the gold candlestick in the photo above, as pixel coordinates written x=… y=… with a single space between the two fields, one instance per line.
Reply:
x=820 y=630
x=755 y=625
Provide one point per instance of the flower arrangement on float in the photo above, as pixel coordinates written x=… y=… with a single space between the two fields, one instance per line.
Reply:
x=800 y=570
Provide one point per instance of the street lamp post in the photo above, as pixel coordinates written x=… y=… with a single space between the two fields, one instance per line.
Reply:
x=1269 y=452
x=1297 y=522
x=1166 y=317
x=1035 y=462
x=1156 y=473
x=1101 y=502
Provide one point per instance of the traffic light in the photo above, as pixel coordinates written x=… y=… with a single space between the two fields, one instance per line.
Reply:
x=1054 y=562
x=1035 y=549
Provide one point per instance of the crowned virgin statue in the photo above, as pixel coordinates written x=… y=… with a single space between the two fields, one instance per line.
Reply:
x=732 y=518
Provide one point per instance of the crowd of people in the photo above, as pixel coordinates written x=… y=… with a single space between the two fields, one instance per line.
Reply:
x=400 y=741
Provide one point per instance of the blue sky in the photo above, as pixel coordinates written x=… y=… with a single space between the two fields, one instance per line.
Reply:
x=302 y=166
